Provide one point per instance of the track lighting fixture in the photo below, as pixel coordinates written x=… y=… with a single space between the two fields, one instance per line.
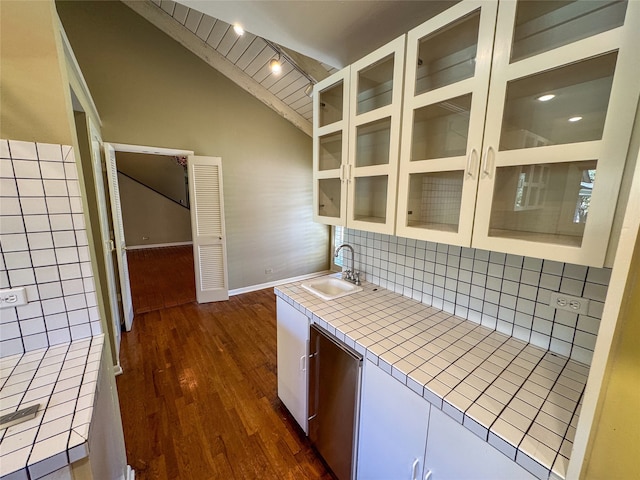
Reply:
x=276 y=65
x=309 y=90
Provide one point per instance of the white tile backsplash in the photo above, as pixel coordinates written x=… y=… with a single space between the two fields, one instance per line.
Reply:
x=508 y=293
x=43 y=246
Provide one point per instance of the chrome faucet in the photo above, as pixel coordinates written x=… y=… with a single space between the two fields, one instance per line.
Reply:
x=350 y=275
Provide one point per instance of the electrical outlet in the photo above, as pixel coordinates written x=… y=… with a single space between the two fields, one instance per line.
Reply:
x=14 y=297
x=570 y=304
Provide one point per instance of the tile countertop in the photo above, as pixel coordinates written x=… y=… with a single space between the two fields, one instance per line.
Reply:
x=520 y=398
x=63 y=380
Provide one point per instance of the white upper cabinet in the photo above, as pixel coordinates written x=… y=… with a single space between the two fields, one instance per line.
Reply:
x=445 y=98
x=374 y=138
x=528 y=162
x=357 y=140
x=330 y=147
x=562 y=99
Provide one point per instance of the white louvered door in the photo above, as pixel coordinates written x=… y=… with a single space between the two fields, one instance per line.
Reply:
x=118 y=227
x=207 y=227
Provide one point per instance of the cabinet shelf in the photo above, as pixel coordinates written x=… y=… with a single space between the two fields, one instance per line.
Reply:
x=443 y=227
x=369 y=219
x=537 y=237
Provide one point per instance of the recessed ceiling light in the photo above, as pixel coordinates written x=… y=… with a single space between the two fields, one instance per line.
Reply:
x=575 y=119
x=238 y=29
x=547 y=97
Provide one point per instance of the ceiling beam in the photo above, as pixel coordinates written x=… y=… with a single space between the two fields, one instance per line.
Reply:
x=208 y=54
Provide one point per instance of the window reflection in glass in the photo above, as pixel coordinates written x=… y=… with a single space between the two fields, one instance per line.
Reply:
x=543 y=203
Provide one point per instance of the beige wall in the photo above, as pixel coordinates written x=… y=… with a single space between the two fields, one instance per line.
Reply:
x=146 y=214
x=34 y=91
x=159 y=172
x=35 y=103
x=615 y=439
x=151 y=91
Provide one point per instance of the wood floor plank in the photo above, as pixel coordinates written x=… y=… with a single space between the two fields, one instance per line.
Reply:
x=199 y=395
x=161 y=277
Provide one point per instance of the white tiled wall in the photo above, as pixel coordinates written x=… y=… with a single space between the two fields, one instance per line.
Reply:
x=509 y=293
x=43 y=247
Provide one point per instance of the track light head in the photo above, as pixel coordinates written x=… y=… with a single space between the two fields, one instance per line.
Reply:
x=275 y=65
x=309 y=90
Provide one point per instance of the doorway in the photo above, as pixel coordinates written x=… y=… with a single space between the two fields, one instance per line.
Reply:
x=207 y=229
x=154 y=197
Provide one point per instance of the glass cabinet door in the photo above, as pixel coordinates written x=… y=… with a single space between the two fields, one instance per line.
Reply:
x=561 y=107
x=446 y=84
x=330 y=148
x=374 y=138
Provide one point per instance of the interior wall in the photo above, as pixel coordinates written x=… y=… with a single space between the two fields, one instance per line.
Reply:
x=164 y=96
x=508 y=293
x=159 y=172
x=149 y=218
x=616 y=436
x=32 y=93
x=44 y=249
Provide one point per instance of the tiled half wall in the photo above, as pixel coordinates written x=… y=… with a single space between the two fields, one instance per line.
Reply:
x=44 y=248
x=509 y=293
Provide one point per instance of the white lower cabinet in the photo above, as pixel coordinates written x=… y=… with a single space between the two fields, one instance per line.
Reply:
x=402 y=438
x=393 y=428
x=293 y=347
x=455 y=453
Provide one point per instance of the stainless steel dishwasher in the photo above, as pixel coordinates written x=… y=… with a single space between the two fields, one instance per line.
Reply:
x=334 y=397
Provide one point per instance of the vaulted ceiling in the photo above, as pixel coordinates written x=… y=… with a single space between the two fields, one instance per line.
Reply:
x=319 y=36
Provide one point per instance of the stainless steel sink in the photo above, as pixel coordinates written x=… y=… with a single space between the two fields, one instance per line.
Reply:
x=330 y=288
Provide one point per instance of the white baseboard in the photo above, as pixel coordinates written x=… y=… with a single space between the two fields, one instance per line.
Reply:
x=253 y=288
x=158 y=245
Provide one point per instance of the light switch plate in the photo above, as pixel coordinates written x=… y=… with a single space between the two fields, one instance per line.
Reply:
x=570 y=304
x=13 y=297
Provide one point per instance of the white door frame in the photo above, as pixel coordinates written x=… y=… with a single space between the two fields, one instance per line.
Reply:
x=97 y=160
x=120 y=147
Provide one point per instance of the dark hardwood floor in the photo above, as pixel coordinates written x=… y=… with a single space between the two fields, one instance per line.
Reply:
x=161 y=277
x=199 y=395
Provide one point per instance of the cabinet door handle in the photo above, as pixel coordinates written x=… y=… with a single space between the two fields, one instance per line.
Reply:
x=471 y=160
x=414 y=469
x=487 y=163
x=427 y=476
x=349 y=174
x=303 y=363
